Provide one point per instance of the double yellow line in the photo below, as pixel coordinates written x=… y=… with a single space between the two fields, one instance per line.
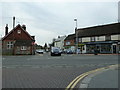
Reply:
x=72 y=85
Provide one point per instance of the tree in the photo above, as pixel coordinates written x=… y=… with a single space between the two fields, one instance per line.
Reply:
x=45 y=46
x=39 y=47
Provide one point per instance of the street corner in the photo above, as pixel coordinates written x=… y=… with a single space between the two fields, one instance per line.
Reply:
x=106 y=77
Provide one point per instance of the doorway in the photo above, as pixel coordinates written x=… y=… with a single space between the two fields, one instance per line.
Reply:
x=114 y=48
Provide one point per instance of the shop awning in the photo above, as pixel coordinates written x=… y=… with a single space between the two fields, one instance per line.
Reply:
x=101 y=42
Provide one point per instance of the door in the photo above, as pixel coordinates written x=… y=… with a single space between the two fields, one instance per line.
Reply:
x=114 y=48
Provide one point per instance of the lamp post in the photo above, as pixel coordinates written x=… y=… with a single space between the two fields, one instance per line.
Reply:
x=76 y=34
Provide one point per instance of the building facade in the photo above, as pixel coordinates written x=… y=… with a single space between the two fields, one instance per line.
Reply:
x=18 y=41
x=69 y=42
x=59 y=42
x=104 y=39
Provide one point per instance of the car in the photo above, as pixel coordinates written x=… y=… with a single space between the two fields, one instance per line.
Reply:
x=69 y=52
x=55 y=51
x=40 y=51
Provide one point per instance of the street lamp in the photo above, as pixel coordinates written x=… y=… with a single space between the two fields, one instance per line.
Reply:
x=76 y=22
x=76 y=35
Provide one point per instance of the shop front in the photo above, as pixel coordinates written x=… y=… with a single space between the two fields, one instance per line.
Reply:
x=118 y=47
x=102 y=47
x=105 y=48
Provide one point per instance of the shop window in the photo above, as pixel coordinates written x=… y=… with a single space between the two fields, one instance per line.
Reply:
x=90 y=48
x=118 y=48
x=105 y=48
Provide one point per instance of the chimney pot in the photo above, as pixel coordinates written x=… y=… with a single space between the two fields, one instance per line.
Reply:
x=6 y=29
x=24 y=27
x=13 y=22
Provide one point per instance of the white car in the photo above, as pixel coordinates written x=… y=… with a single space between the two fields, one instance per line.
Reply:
x=40 y=51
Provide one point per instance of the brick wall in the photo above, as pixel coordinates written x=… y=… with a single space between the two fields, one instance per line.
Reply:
x=72 y=42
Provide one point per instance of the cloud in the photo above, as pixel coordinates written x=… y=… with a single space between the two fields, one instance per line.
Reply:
x=58 y=1
x=43 y=36
x=47 y=20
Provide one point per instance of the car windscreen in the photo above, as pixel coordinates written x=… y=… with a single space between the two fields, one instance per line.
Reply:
x=56 y=50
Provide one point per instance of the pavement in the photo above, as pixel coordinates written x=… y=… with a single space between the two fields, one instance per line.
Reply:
x=105 y=78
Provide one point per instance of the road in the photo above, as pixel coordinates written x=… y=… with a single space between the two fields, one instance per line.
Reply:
x=45 y=71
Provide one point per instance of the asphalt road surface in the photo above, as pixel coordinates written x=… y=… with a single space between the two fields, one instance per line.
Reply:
x=45 y=71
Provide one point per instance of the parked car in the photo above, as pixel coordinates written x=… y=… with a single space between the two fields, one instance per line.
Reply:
x=55 y=51
x=40 y=51
x=69 y=51
x=64 y=51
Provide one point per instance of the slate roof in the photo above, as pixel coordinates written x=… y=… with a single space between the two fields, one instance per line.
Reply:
x=109 y=29
x=70 y=37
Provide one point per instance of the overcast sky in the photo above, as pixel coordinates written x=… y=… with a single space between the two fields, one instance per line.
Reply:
x=47 y=20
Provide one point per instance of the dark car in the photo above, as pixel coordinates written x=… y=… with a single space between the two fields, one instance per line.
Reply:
x=55 y=51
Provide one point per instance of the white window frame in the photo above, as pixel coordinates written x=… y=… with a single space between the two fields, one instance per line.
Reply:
x=9 y=45
x=86 y=39
x=100 y=38
x=115 y=37
x=67 y=43
x=23 y=47
x=19 y=31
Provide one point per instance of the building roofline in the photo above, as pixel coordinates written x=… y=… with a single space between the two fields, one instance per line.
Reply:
x=108 y=29
x=70 y=36
x=14 y=29
x=97 y=26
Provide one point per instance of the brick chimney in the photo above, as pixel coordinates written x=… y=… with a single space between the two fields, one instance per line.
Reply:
x=13 y=22
x=24 y=27
x=6 y=29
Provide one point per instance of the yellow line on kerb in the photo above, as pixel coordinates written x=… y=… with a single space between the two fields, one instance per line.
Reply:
x=78 y=78
x=69 y=86
x=78 y=81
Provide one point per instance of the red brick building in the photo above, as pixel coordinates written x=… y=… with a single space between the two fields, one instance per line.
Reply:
x=18 y=41
x=69 y=41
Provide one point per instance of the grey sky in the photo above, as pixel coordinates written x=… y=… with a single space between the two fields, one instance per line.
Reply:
x=47 y=20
